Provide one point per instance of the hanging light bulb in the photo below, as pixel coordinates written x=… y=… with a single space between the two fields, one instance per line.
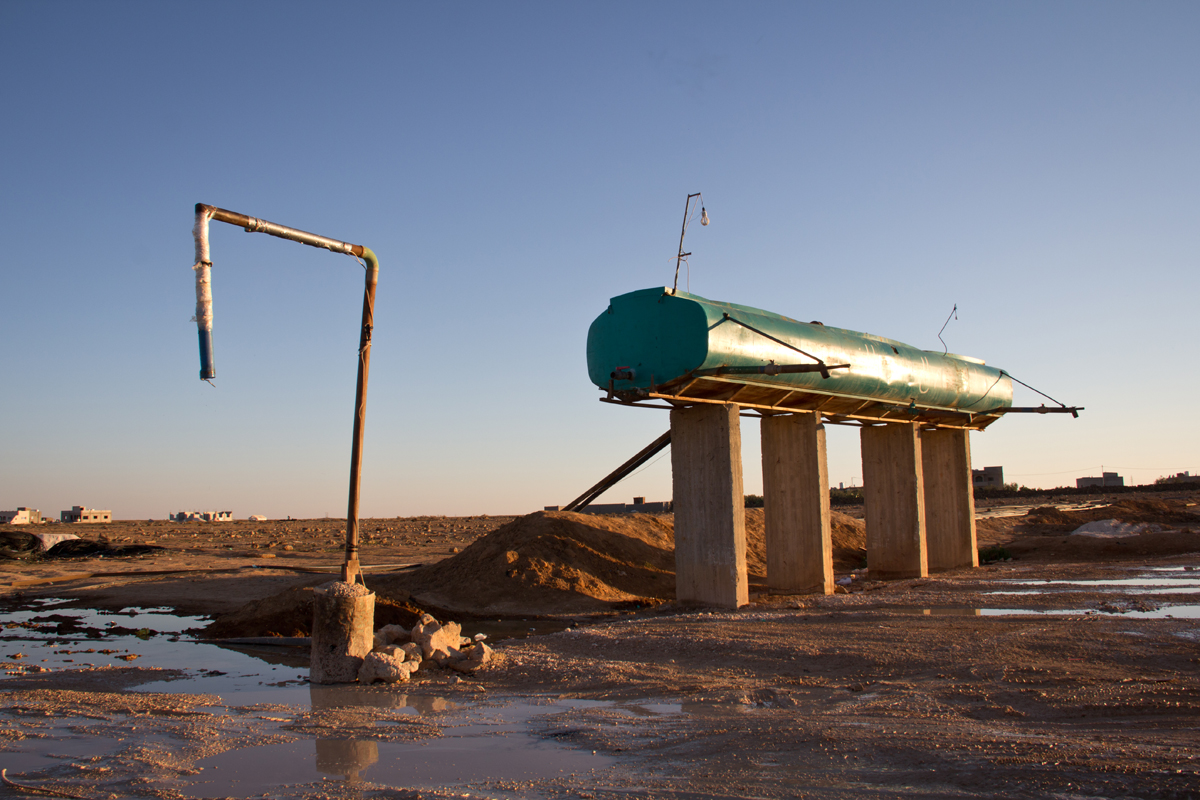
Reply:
x=703 y=216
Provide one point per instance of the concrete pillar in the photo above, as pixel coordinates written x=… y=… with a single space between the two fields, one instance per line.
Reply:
x=894 y=492
x=796 y=504
x=710 y=512
x=949 y=499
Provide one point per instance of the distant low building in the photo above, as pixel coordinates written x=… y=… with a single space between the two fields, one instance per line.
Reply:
x=638 y=506
x=201 y=516
x=257 y=518
x=988 y=478
x=82 y=514
x=1179 y=477
x=22 y=516
x=1106 y=479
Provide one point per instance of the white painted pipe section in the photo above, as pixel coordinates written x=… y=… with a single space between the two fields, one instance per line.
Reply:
x=203 y=269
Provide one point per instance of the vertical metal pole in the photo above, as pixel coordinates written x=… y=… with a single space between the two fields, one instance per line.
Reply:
x=351 y=569
x=682 y=233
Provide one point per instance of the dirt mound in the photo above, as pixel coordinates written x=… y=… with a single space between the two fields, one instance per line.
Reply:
x=1162 y=512
x=547 y=563
x=79 y=548
x=552 y=562
x=1052 y=517
x=849 y=537
x=565 y=563
x=18 y=545
x=1043 y=535
x=289 y=613
x=1062 y=547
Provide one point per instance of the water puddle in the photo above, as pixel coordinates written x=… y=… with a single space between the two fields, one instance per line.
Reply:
x=1022 y=510
x=48 y=638
x=61 y=747
x=1189 y=582
x=1165 y=612
x=474 y=748
x=465 y=741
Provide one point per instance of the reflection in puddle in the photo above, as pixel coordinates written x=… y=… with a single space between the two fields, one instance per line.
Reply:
x=477 y=744
x=345 y=757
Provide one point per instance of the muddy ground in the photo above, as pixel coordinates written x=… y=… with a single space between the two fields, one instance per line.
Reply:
x=959 y=685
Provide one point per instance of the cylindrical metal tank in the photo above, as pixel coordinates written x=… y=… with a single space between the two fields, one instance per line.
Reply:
x=652 y=343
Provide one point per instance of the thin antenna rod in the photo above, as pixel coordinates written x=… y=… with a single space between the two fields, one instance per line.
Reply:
x=682 y=255
x=953 y=313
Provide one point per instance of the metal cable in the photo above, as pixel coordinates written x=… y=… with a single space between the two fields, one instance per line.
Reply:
x=1027 y=386
x=777 y=341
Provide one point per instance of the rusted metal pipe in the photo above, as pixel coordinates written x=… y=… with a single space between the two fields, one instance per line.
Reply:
x=769 y=369
x=351 y=569
x=618 y=474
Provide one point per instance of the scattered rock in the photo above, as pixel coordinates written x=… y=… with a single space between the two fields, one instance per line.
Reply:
x=387 y=668
x=472 y=658
x=413 y=652
x=439 y=642
x=390 y=634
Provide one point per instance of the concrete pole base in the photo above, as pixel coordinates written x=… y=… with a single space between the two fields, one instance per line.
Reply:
x=343 y=631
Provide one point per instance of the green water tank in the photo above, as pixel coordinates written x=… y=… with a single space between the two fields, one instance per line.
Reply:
x=684 y=348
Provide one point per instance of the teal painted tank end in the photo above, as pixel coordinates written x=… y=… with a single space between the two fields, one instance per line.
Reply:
x=652 y=342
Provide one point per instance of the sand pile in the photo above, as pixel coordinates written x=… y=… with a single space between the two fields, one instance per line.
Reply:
x=565 y=563
x=1128 y=529
x=551 y=563
x=543 y=564
x=1174 y=513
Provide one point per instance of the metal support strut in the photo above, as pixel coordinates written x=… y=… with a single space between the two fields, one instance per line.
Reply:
x=617 y=475
x=351 y=569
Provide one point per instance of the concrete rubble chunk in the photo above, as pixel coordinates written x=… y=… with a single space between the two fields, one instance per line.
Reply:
x=340 y=589
x=390 y=634
x=386 y=668
x=413 y=651
x=438 y=642
x=472 y=658
x=398 y=653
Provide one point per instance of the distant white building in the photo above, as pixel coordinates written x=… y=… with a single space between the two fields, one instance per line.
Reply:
x=22 y=516
x=82 y=514
x=257 y=518
x=1105 y=479
x=201 y=516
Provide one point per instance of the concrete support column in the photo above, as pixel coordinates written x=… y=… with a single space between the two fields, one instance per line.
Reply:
x=796 y=504
x=949 y=499
x=710 y=512
x=893 y=488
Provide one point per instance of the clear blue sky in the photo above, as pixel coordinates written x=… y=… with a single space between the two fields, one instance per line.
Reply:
x=514 y=165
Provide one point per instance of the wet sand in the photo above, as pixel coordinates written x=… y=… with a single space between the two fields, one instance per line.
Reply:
x=1013 y=679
